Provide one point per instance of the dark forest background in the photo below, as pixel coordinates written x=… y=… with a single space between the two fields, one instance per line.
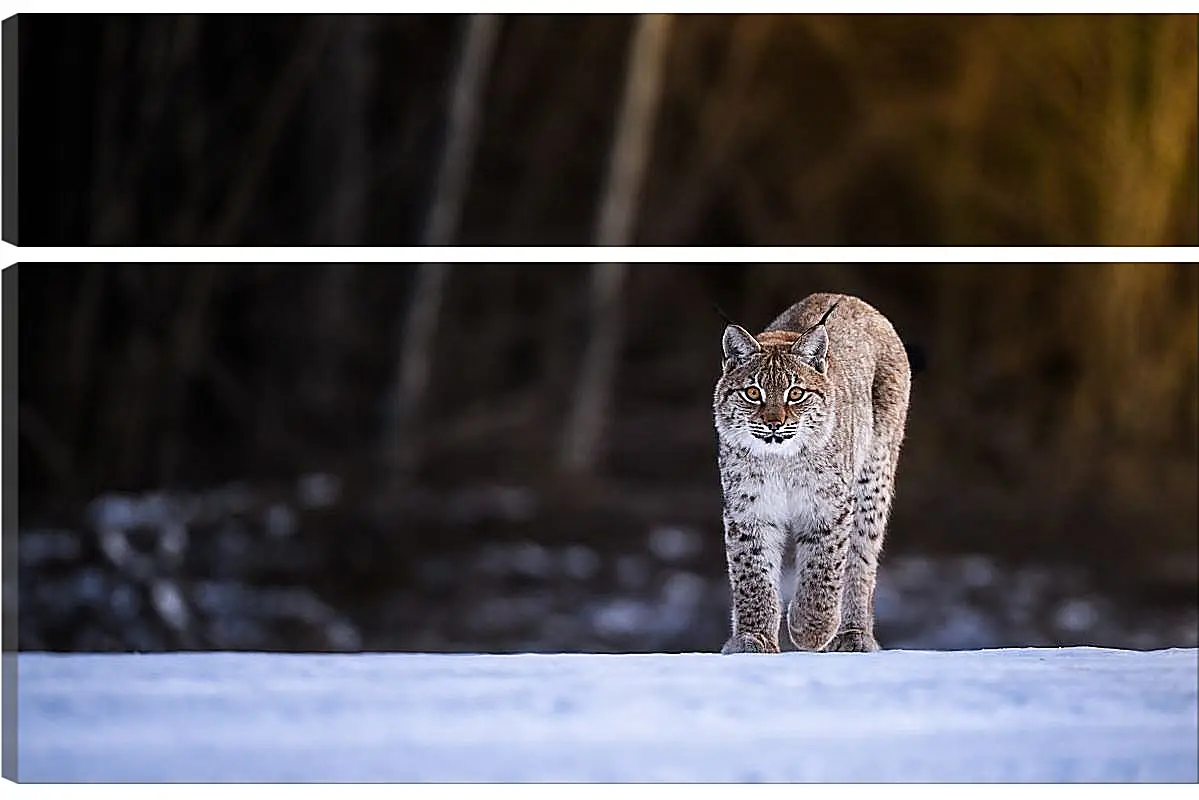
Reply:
x=521 y=456
x=679 y=130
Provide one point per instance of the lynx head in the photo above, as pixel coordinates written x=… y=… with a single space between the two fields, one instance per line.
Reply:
x=774 y=393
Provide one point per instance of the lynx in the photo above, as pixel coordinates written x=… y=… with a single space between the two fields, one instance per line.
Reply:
x=809 y=416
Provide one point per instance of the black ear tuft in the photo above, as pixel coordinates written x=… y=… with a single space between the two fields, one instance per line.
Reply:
x=824 y=319
x=738 y=344
x=812 y=348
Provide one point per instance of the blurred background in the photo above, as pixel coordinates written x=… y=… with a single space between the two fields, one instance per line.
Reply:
x=521 y=457
x=532 y=129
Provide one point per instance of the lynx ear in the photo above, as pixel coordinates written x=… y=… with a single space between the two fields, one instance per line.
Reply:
x=738 y=344
x=812 y=348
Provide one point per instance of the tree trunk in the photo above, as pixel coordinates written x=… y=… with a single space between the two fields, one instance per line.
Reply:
x=424 y=307
x=626 y=174
x=462 y=130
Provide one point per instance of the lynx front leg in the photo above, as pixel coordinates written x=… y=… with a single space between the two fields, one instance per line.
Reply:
x=814 y=613
x=754 y=555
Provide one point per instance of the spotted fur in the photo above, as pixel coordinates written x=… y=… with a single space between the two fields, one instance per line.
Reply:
x=810 y=415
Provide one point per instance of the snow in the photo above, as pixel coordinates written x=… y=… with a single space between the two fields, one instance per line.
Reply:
x=1045 y=715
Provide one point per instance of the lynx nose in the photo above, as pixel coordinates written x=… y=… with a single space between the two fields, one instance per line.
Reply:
x=773 y=416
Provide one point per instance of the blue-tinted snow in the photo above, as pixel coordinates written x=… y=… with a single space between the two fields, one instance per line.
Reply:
x=1076 y=714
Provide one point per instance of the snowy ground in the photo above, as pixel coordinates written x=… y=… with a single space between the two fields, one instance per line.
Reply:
x=1077 y=714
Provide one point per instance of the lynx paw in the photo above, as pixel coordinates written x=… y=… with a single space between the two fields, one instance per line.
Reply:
x=852 y=642
x=749 y=643
x=810 y=630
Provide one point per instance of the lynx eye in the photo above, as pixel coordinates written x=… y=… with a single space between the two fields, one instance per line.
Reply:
x=753 y=393
x=796 y=394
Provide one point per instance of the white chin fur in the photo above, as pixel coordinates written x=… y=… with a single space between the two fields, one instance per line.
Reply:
x=761 y=448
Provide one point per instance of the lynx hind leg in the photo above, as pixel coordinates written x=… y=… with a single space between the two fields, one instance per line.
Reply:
x=873 y=490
